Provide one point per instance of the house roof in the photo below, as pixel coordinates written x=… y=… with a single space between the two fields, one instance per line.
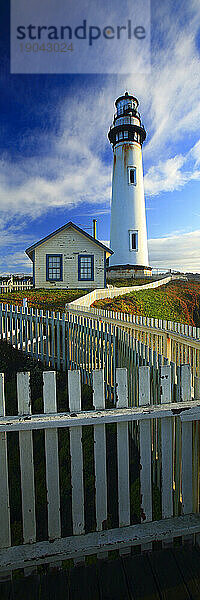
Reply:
x=30 y=250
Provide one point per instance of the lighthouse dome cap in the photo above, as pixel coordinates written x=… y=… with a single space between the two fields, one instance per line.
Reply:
x=126 y=96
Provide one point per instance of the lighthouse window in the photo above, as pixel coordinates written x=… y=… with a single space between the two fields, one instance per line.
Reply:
x=133 y=240
x=120 y=135
x=125 y=134
x=86 y=267
x=116 y=137
x=132 y=175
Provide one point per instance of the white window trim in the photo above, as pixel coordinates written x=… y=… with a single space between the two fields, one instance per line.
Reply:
x=132 y=169
x=130 y=240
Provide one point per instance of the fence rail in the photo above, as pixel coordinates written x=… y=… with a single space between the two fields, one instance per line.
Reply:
x=112 y=478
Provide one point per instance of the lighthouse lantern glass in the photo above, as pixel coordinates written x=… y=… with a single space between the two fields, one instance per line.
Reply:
x=124 y=105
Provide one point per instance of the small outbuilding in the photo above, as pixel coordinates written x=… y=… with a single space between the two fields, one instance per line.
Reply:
x=69 y=258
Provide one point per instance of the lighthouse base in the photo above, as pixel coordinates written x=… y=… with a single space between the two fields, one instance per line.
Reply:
x=128 y=272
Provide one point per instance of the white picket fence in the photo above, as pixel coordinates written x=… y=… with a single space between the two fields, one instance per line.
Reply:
x=173 y=342
x=166 y=437
x=15 y=285
x=67 y=342
x=91 y=338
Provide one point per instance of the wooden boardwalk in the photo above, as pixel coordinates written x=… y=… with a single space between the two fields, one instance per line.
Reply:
x=171 y=574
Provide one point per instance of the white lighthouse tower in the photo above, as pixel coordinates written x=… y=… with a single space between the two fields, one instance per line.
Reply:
x=128 y=234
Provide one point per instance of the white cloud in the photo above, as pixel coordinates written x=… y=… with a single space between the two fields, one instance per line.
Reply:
x=72 y=168
x=15 y=262
x=165 y=176
x=179 y=251
x=173 y=173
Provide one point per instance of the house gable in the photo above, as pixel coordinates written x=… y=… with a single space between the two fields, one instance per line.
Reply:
x=29 y=251
x=70 y=243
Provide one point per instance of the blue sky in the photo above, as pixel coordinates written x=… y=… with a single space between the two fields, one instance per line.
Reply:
x=56 y=161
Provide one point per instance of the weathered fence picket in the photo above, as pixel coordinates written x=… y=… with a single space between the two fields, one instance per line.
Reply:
x=52 y=461
x=157 y=427
x=145 y=450
x=26 y=461
x=74 y=383
x=100 y=455
x=5 y=533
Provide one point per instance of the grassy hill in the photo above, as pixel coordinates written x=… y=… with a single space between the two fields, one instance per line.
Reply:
x=43 y=299
x=177 y=301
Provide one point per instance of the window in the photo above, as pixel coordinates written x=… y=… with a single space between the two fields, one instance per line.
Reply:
x=120 y=135
x=86 y=267
x=125 y=134
x=133 y=240
x=132 y=176
x=54 y=267
x=116 y=137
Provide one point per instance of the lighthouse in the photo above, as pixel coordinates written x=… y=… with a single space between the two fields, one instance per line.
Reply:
x=128 y=234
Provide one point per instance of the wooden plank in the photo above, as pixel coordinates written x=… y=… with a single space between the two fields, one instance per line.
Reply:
x=26 y=461
x=122 y=388
x=47 y=337
x=100 y=452
x=186 y=393
x=51 y=457
x=140 y=579
x=123 y=452
x=5 y=533
x=184 y=410
x=6 y=588
x=84 y=583
x=144 y=386
x=145 y=451
x=54 y=585
x=74 y=389
x=166 y=447
x=112 y=581
x=98 y=390
x=41 y=329
x=188 y=561
x=91 y=543
x=197 y=388
x=165 y=383
x=76 y=452
x=26 y=587
x=63 y=334
x=187 y=468
x=57 y=324
x=36 y=334
x=123 y=474
x=168 y=577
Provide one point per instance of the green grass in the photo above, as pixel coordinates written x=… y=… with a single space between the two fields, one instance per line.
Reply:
x=43 y=299
x=177 y=301
x=129 y=282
